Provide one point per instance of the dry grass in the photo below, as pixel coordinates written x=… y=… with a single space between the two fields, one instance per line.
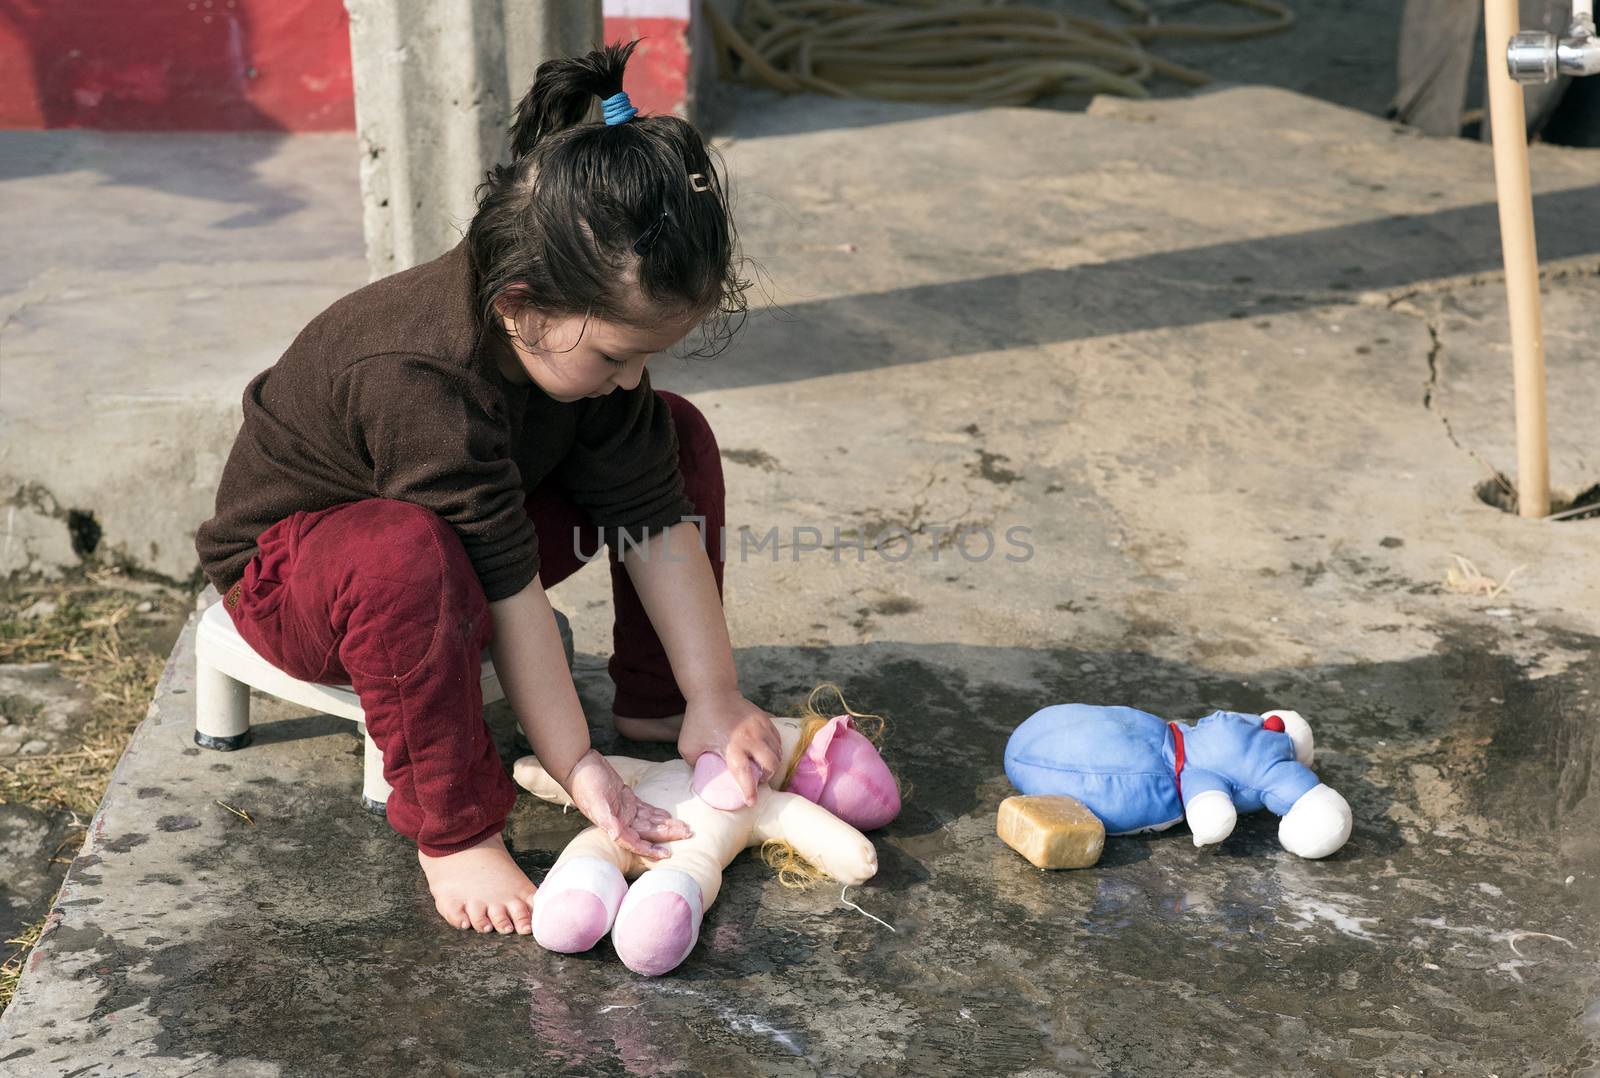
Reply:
x=1464 y=578
x=16 y=956
x=92 y=639
x=97 y=638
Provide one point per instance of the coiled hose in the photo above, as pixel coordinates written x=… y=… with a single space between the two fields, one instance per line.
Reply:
x=955 y=52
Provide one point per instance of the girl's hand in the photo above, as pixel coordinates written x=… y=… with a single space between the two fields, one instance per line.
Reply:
x=610 y=804
x=738 y=731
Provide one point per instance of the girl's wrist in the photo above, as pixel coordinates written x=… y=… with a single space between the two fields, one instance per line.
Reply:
x=576 y=764
x=715 y=691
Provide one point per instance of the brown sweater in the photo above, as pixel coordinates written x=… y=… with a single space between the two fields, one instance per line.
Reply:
x=393 y=392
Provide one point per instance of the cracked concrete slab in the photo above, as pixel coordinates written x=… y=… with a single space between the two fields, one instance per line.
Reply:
x=1472 y=390
x=1168 y=341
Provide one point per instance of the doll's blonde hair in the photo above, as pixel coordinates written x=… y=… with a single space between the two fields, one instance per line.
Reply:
x=793 y=870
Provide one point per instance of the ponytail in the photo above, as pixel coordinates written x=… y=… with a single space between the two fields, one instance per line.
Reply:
x=563 y=92
x=626 y=221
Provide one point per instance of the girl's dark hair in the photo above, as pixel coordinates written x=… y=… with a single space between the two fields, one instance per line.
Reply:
x=588 y=217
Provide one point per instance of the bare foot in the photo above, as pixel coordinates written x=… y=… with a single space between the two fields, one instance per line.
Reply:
x=481 y=887
x=649 y=729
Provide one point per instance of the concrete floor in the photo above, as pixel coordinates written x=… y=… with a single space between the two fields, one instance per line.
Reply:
x=1237 y=363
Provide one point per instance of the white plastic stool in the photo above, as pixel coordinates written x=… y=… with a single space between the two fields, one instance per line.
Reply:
x=227 y=669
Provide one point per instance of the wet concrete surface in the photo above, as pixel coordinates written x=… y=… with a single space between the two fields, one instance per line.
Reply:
x=35 y=849
x=1454 y=934
x=1235 y=366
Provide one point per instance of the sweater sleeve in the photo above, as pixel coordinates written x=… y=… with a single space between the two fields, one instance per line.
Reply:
x=622 y=470
x=436 y=435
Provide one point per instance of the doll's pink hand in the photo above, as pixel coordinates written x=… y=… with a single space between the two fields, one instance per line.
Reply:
x=739 y=731
x=715 y=785
x=610 y=804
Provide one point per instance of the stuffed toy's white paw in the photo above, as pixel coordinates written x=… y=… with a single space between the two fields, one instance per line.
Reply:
x=1211 y=817
x=1318 y=824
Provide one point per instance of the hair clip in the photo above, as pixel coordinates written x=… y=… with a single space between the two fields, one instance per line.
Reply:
x=698 y=182
x=647 y=238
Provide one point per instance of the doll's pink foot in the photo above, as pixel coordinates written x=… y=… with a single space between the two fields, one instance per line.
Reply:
x=659 y=922
x=577 y=904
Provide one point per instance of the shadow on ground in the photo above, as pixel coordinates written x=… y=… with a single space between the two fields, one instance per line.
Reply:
x=217 y=168
x=1241 y=279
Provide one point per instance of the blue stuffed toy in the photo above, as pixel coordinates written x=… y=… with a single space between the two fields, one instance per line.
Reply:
x=1139 y=773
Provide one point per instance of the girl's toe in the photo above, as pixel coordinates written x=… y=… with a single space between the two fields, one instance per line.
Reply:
x=454 y=914
x=500 y=917
x=478 y=915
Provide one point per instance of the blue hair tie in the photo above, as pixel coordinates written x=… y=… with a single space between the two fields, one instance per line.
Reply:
x=618 y=109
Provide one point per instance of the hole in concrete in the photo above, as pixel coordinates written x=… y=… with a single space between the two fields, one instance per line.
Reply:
x=1501 y=493
x=85 y=531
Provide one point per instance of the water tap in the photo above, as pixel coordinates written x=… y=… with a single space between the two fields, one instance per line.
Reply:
x=1535 y=56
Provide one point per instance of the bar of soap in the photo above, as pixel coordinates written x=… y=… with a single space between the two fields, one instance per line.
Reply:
x=1051 y=831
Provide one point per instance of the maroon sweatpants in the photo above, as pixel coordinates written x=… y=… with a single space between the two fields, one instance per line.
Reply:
x=380 y=595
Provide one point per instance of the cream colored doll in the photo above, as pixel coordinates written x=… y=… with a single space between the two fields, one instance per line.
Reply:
x=833 y=783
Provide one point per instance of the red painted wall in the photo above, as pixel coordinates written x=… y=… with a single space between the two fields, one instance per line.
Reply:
x=658 y=74
x=165 y=65
x=230 y=65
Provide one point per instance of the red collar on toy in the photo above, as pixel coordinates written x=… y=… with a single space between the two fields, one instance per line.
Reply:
x=1177 y=758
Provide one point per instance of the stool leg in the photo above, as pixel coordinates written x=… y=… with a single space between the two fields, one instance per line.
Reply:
x=221 y=710
x=374 y=790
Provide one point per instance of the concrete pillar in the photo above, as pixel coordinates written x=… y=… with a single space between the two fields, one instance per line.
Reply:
x=435 y=84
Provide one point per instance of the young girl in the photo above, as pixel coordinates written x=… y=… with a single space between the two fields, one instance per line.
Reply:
x=435 y=450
